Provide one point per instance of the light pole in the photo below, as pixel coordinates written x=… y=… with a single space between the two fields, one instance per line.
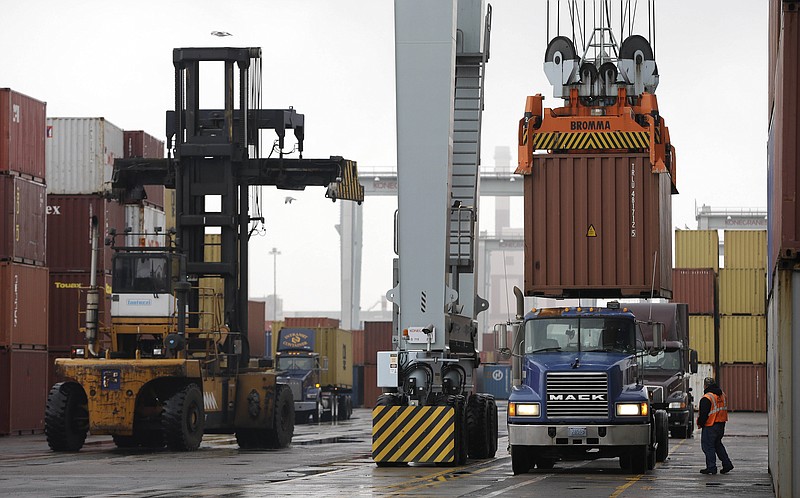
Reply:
x=274 y=252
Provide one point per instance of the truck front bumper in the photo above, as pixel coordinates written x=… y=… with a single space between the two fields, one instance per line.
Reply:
x=305 y=406
x=678 y=418
x=595 y=435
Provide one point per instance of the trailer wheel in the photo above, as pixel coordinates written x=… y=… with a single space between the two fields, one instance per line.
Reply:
x=282 y=431
x=662 y=436
x=183 y=419
x=521 y=461
x=478 y=427
x=66 y=419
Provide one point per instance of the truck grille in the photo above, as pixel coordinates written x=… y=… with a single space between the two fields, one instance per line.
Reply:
x=577 y=395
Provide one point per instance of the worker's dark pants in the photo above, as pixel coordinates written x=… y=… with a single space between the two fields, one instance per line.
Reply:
x=711 y=442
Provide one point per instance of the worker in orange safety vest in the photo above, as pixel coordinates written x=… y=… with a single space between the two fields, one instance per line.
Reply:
x=712 y=417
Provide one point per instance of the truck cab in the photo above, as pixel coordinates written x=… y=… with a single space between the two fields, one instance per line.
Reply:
x=581 y=393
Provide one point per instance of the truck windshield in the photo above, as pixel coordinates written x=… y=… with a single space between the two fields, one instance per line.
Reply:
x=141 y=273
x=667 y=361
x=579 y=334
x=295 y=363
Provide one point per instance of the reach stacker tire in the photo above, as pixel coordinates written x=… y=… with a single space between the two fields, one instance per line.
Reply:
x=66 y=420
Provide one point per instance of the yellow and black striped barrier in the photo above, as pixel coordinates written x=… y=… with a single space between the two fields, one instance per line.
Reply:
x=591 y=140
x=349 y=189
x=424 y=434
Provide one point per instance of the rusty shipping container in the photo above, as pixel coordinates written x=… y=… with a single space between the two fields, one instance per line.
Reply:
x=743 y=339
x=783 y=152
x=256 y=314
x=742 y=291
x=376 y=336
x=68 y=228
x=745 y=386
x=745 y=248
x=23 y=305
x=23 y=205
x=23 y=390
x=80 y=155
x=597 y=226
x=137 y=143
x=67 y=309
x=22 y=132
x=701 y=337
x=697 y=249
x=695 y=287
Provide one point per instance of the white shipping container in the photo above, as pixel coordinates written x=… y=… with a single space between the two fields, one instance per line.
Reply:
x=144 y=220
x=696 y=383
x=80 y=155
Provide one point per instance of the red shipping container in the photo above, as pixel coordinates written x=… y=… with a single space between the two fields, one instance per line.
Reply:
x=358 y=347
x=67 y=313
x=371 y=389
x=23 y=305
x=68 y=227
x=22 y=134
x=256 y=311
x=597 y=226
x=695 y=287
x=745 y=384
x=141 y=144
x=23 y=206
x=23 y=390
x=783 y=152
x=377 y=337
x=311 y=322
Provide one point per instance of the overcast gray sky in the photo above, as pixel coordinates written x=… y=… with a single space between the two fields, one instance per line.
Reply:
x=334 y=62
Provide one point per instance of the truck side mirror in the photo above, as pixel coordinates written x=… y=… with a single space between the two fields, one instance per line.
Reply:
x=501 y=336
x=324 y=364
x=693 y=361
x=658 y=336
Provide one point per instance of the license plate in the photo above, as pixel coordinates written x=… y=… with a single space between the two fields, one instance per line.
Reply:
x=577 y=432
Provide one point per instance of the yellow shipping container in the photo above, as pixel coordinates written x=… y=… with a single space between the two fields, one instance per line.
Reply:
x=742 y=291
x=334 y=344
x=743 y=339
x=697 y=249
x=701 y=337
x=745 y=249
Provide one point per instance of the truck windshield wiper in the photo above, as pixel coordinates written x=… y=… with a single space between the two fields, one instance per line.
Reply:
x=552 y=348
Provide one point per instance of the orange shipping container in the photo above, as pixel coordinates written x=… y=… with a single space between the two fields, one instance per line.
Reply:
x=23 y=390
x=597 y=226
x=745 y=386
x=695 y=287
x=23 y=305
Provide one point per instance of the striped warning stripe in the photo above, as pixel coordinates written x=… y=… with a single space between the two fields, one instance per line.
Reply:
x=413 y=434
x=592 y=140
x=350 y=189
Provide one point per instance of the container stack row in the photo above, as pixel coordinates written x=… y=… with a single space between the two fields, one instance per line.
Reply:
x=80 y=154
x=727 y=326
x=376 y=336
x=23 y=258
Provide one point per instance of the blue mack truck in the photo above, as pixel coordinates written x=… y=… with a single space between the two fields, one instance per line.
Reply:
x=578 y=388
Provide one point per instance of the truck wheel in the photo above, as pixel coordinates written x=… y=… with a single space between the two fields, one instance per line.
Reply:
x=521 y=461
x=66 y=419
x=183 y=419
x=662 y=436
x=282 y=431
x=638 y=457
x=478 y=427
x=492 y=410
x=462 y=442
x=651 y=459
x=342 y=413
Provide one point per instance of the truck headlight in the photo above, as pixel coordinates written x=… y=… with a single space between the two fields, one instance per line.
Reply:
x=523 y=409
x=677 y=405
x=632 y=409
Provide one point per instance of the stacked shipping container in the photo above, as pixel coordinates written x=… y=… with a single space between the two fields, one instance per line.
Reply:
x=376 y=336
x=783 y=187
x=23 y=254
